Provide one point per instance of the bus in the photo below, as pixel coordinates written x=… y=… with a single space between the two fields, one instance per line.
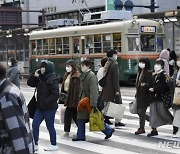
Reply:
x=133 y=39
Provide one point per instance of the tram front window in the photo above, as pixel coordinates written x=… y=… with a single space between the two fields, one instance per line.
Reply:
x=133 y=44
x=148 y=43
x=159 y=43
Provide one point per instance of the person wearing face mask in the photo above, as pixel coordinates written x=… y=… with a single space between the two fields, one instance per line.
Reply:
x=111 y=91
x=89 y=88
x=47 y=84
x=159 y=114
x=143 y=83
x=176 y=108
x=70 y=86
x=13 y=72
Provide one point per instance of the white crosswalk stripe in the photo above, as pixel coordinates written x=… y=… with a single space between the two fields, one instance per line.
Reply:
x=123 y=140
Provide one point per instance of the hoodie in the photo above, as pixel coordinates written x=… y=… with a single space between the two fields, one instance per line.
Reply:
x=164 y=55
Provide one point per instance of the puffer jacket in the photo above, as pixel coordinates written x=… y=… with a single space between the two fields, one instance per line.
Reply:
x=47 y=90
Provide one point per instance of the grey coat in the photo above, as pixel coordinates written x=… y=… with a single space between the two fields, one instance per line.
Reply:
x=13 y=75
x=89 y=88
x=112 y=83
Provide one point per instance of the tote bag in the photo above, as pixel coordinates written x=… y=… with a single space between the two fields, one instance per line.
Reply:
x=96 y=120
x=176 y=100
x=114 y=110
x=133 y=106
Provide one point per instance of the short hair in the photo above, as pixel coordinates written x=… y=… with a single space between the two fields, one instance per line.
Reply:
x=103 y=61
x=13 y=60
x=160 y=62
x=2 y=71
x=87 y=62
x=111 y=52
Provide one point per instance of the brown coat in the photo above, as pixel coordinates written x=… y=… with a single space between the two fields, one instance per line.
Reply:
x=112 y=83
x=73 y=90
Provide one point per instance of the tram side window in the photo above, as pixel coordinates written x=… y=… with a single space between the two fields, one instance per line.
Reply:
x=45 y=46
x=106 y=42
x=76 y=47
x=33 y=47
x=97 y=43
x=58 y=45
x=39 y=47
x=52 y=46
x=148 y=43
x=66 y=45
x=89 y=44
x=133 y=44
x=159 y=43
x=117 y=41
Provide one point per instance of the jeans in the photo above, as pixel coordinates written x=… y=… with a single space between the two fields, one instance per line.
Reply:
x=81 y=129
x=49 y=117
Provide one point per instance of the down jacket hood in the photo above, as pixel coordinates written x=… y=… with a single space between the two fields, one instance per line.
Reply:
x=164 y=54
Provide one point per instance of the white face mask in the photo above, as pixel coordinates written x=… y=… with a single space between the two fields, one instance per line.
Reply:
x=157 y=67
x=178 y=63
x=115 y=57
x=68 y=68
x=9 y=63
x=142 y=65
x=84 y=68
x=43 y=70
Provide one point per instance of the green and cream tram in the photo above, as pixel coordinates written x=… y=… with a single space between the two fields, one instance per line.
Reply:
x=133 y=39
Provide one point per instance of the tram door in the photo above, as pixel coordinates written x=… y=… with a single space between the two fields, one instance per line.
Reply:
x=76 y=49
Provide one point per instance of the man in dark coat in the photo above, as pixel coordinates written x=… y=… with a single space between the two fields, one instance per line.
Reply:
x=46 y=82
x=111 y=91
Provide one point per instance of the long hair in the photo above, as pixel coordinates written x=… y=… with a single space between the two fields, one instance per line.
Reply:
x=147 y=64
x=73 y=65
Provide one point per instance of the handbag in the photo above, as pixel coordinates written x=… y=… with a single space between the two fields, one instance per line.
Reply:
x=114 y=110
x=62 y=98
x=176 y=100
x=32 y=106
x=167 y=99
x=102 y=81
x=96 y=120
x=133 y=106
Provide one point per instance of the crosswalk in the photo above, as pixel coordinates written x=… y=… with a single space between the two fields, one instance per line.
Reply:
x=123 y=140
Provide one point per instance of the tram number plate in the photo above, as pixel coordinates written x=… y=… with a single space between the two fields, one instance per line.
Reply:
x=148 y=29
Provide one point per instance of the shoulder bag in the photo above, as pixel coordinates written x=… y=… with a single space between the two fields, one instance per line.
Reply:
x=32 y=106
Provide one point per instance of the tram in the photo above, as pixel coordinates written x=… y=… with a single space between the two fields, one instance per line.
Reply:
x=133 y=39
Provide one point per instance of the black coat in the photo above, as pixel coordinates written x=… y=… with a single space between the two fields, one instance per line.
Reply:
x=160 y=86
x=47 y=90
x=142 y=93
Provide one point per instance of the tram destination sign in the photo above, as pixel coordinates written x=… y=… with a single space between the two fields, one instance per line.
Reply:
x=148 y=29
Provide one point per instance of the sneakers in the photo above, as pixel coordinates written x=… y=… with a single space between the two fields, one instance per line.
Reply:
x=36 y=147
x=119 y=124
x=66 y=134
x=51 y=148
x=153 y=133
x=140 y=131
x=108 y=136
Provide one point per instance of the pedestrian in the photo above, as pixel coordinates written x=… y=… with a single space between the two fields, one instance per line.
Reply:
x=15 y=130
x=100 y=75
x=159 y=114
x=176 y=108
x=71 y=86
x=143 y=83
x=89 y=89
x=111 y=91
x=47 y=85
x=13 y=73
x=164 y=55
x=172 y=61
